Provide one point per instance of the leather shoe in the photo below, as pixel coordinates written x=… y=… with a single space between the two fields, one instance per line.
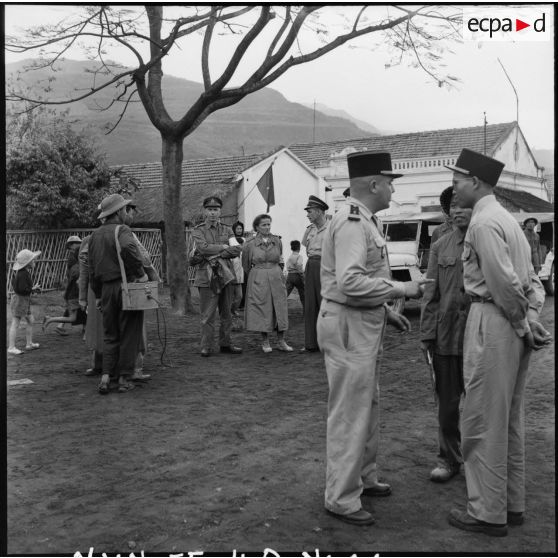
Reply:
x=463 y=521
x=443 y=473
x=205 y=352
x=231 y=349
x=360 y=517
x=308 y=350
x=379 y=489
x=515 y=518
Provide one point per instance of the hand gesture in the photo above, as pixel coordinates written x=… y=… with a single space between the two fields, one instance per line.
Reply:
x=541 y=337
x=415 y=289
x=83 y=304
x=398 y=320
x=36 y=287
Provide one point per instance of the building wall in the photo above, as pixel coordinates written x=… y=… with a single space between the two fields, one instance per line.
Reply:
x=293 y=183
x=425 y=178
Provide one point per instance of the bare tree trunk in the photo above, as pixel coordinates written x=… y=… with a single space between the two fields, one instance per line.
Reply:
x=177 y=259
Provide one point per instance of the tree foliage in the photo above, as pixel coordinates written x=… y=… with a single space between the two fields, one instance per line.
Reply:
x=55 y=176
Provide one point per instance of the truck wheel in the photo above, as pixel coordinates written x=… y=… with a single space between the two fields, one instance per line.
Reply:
x=549 y=283
x=397 y=305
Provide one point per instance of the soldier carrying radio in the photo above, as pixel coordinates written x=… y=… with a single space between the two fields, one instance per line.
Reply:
x=122 y=330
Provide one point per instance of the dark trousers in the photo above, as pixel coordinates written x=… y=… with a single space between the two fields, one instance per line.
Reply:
x=449 y=387
x=122 y=331
x=296 y=280
x=312 y=301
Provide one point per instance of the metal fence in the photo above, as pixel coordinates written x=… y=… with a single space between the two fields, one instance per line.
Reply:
x=50 y=269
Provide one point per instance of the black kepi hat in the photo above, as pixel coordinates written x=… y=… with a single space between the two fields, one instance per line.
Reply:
x=314 y=201
x=368 y=163
x=472 y=163
x=212 y=201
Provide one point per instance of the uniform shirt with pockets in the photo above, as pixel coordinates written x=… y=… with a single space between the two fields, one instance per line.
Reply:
x=354 y=267
x=211 y=241
x=445 y=305
x=497 y=264
x=313 y=239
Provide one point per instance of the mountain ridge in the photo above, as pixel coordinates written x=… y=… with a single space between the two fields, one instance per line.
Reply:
x=259 y=123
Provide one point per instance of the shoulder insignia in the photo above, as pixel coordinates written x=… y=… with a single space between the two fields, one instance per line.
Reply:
x=354 y=213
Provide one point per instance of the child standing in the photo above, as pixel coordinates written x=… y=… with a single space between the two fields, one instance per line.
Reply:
x=295 y=272
x=22 y=283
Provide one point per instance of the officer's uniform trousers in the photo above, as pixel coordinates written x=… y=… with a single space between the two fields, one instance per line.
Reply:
x=122 y=332
x=209 y=303
x=493 y=436
x=351 y=340
x=312 y=301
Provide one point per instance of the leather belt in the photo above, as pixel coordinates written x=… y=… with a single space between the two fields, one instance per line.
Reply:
x=481 y=299
x=266 y=265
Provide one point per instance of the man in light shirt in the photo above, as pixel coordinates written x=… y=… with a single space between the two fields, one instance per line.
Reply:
x=295 y=272
x=501 y=331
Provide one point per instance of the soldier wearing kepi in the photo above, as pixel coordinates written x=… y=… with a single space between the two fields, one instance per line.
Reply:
x=312 y=241
x=212 y=240
x=502 y=329
x=356 y=284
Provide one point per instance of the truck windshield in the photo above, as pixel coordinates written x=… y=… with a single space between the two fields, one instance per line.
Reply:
x=400 y=232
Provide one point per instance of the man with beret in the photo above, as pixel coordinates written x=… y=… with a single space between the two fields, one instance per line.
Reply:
x=534 y=242
x=312 y=241
x=446 y=226
x=122 y=330
x=212 y=240
x=356 y=286
x=442 y=327
x=502 y=329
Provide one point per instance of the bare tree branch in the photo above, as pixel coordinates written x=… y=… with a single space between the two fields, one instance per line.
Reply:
x=205 y=49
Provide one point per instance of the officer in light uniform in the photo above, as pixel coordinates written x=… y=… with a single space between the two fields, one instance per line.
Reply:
x=212 y=239
x=312 y=241
x=356 y=284
x=501 y=331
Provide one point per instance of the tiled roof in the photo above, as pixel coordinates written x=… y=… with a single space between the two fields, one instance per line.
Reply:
x=522 y=200
x=200 y=178
x=197 y=171
x=434 y=143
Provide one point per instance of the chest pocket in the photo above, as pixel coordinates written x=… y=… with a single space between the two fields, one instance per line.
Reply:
x=447 y=261
x=376 y=251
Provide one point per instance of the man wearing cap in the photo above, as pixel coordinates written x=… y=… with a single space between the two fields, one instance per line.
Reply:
x=212 y=240
x=442 y=327
x=534 y=242
x=501 y=331
x=356 y=286
x=447 y=225
x=312 y=241
x=122 y=330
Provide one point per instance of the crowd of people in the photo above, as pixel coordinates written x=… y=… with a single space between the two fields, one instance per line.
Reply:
x=480 y=305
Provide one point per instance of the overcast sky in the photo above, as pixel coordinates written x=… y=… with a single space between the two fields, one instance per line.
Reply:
x=398 y=99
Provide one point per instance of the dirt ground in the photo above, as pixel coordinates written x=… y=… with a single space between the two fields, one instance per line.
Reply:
x=228 y=453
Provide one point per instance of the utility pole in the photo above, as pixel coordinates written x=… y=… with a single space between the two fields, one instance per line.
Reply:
x=485 y=123
x=314 y=124
x=516 y=145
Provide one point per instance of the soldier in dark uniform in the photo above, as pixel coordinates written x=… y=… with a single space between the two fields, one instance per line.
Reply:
x=212 y=240
x=356 y=286
x=122 y=330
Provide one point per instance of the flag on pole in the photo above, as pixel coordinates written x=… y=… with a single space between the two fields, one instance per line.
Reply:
x=265 y=186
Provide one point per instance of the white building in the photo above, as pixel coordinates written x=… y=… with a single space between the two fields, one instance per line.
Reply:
x=235 y=181
x=421 y=157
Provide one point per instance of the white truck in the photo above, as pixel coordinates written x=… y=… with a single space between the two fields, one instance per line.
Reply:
x=408 y=237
